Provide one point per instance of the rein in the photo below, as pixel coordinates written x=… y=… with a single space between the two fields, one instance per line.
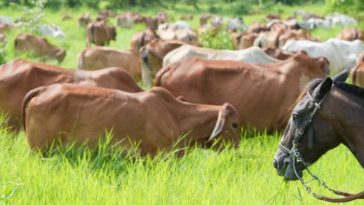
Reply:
x=297 y=157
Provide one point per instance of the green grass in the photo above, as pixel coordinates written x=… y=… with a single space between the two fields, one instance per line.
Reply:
x=232 y=176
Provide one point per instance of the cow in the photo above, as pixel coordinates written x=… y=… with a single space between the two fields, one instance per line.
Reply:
x=143 y=38
x=39 y=47
x=357 y=72
x=243 y=41
x=262 y=94
x=204 y=19
x=95 y=58
x=4 y=27
x=250 y=55
x=278 y=53
x=154 y=120
x=162 y=17
x=180 y=30
x=100 y=34
x=20 y=76
x=152 y=55
x=128 y=19
x=268 y=39
x=351 y=34
x=341 y=54
x=84 y=20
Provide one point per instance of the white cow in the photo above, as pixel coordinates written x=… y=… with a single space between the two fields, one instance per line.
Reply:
x=338 y=19
x=251 y=55
x=6 y=20
x=341 y=54
x=180 y=30
x=51 y=30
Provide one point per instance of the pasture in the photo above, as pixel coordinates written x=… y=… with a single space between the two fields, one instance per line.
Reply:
x=230 y=176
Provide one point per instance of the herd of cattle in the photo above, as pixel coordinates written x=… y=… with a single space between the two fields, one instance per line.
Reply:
x=205 y=95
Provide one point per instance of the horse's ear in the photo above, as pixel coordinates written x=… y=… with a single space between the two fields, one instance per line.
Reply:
x=342 y=76
x=321 y=90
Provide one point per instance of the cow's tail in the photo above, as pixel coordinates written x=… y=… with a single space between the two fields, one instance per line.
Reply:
x=29 y=96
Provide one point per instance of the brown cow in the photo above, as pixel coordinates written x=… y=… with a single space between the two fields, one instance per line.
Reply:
x=143 y=38
x=128 y=19
x=84 y=20
x=278 y=53
x=153 y=54
x=243 y=41
x=20 y=76
x=154 y=119
x=261 y=93
x=39 y=47
x=357 y=73
x=351 y=34
x=299 y=34
x=100 y=34
x=204 y=19
x=4 y=27
x=95 y=58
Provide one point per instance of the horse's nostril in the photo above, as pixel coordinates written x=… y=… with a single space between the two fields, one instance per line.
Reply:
x=275 y=163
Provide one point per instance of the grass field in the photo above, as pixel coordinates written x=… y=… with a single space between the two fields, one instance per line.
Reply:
x=231 y=176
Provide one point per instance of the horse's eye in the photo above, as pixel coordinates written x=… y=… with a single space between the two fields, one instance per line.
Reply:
x=295 y=117
x=234 y=125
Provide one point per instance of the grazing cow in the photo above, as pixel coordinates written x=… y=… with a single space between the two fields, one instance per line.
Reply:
x=162 y=17
x=20 y=76
x=2 y=38
x=66 y=17
x=261 y=93
x=186 y=18
x=357 y=72
x=51 y=30
x=100 y=34
x=4 y=27
x=341 y=54
x=84 y=20
x=128 y=19
x=153 y=54
x=290 y=35
x=243 y=41
x=278 y=53
x=204 y=18
x=179 y=30
x=351 y=34
x=153 y=119
x=257 y=28
x=143 y=38
x=39 y=47
x=95 y=58
x=249 y=55
x=267 y=40
x=151 y=22
x=337 y=19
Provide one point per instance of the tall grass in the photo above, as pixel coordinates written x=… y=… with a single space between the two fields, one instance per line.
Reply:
x=231 y=176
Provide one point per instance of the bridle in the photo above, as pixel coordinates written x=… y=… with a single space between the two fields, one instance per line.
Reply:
x=297 y=157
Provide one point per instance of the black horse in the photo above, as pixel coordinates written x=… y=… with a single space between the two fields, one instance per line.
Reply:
x=328 y=113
